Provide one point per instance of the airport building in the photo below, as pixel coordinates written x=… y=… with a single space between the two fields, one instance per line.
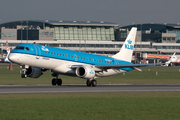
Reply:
x=92 y=37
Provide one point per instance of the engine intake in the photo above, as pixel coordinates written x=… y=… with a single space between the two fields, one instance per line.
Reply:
x=33 y=72
x=85 y=72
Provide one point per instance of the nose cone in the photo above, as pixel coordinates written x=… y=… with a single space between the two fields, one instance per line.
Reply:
x=12 y=57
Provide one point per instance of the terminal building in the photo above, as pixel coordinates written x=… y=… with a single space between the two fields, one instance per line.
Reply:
x=92 y=37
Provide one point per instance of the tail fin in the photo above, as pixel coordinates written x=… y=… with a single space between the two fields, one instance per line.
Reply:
x=8 y=51
x=127 y=49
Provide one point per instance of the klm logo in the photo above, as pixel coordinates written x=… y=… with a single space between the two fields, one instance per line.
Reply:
x=44 y=49
x=91 y=72
x=129 y=46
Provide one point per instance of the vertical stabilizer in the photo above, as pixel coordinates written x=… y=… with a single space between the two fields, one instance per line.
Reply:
x=127 y=49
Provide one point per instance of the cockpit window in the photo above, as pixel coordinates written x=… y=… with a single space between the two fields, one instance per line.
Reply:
x=26 y=48
x=22 y=48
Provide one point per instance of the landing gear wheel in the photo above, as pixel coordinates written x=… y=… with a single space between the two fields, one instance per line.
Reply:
x=88 y=83
x=94 y=83
x=59 y=82
x=22 y=76
x=54 y=81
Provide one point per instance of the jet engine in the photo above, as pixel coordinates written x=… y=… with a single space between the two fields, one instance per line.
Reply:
x=85 y=72
x=33 y=72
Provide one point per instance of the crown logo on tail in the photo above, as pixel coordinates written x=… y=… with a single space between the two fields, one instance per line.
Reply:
x=129 y=41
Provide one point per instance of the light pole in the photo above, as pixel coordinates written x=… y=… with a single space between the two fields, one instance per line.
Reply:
x=27 y=31
x=1 y=31
x=21 y=31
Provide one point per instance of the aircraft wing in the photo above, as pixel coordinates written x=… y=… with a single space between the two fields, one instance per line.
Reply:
x=126 y=65
x=105 y=67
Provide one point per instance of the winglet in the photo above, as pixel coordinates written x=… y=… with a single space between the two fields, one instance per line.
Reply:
x=127 y=49
x=138 y=69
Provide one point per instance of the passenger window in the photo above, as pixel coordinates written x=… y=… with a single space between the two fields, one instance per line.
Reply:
x=57 y=53
x=51 y=52
x=87 y=59
x=60 y=54
x=46 y=51
x=72 y=56
x=69 y=55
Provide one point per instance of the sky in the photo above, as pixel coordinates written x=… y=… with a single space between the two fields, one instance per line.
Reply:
x=124 y=12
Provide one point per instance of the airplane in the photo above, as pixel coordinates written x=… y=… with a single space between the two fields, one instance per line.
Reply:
x=8 y=51
x=173 y=60
x=36 y=59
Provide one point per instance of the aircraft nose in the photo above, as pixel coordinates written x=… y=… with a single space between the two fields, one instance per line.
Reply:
x=12 y=57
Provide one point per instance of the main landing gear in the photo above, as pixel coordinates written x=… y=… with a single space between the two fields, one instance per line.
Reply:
x=91 y=82
x=56 y=81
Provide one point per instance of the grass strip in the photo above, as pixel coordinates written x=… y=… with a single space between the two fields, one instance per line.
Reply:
x=100 y=106
x=149 y=75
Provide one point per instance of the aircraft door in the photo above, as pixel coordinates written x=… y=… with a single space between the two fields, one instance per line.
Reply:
x=76 y=57
x=38 y=51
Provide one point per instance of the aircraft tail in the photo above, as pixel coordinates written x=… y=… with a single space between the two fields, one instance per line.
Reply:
x=170 y=60
x=8 y=51
x=127 y=49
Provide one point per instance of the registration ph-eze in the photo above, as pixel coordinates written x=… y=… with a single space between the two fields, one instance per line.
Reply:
x=129 y=46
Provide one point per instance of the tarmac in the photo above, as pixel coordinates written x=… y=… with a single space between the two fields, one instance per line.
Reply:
x=82 y=88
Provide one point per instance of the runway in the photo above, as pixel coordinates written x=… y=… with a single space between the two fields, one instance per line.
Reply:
x=35 y=89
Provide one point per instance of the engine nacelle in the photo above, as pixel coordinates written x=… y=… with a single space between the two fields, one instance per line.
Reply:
x=33 y=72
x=85 y=72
